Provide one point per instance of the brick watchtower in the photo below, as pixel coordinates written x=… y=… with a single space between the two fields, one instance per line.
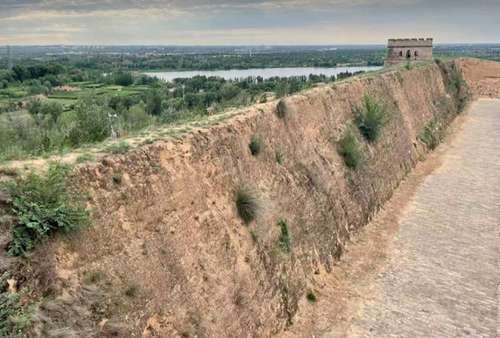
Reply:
x=402 y=50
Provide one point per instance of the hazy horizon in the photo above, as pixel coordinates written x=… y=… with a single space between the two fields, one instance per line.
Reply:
x=245 y=23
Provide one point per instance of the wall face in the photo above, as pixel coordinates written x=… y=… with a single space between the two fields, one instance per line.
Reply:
x=171 y=230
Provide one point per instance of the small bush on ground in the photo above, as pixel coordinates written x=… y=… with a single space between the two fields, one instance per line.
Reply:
x=255 y=145
x=370 y=118
x=311 y=297
x=348 y=148
x=43 y=205
x=247 y=204
x=284 y=240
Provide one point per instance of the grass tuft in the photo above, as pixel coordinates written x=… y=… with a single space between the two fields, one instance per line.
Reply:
x=311 y=297
x=255 y=145
x=280 y=156
x=247 y=204
x=370 y=118
x=348 y=148
x=285 y=241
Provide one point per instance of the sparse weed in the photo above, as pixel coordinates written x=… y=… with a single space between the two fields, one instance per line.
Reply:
x=280 y=156
x=348 y=148
x=285 y=241
x=132 y=290
x=247 y=204
x=430 y=134
x=93 y=277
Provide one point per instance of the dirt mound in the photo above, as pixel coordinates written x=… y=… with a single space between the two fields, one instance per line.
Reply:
x=172 y=255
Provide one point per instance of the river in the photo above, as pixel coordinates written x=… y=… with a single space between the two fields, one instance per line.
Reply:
x=266 y=73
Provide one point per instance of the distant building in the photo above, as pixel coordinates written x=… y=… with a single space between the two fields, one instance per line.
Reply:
x=403 y=50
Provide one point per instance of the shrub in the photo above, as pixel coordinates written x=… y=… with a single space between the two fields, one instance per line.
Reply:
x=348 y=148
x=43 y=206
x=311 y=297
x=284 y=239
x=255 y=145
x=247 y=204
x=370 y=118
x=16 y=315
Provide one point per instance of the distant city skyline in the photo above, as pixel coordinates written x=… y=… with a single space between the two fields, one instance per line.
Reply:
x=241 y=22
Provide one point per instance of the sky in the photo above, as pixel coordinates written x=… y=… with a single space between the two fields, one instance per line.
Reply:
x=242 y=22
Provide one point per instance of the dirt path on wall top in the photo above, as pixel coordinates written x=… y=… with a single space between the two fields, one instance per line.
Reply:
x=428 y=265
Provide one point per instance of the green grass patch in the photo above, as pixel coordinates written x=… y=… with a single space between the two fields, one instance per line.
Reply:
x=247 y=204
x=118 y=148
x=349 y=149
x=311 y=297
x=85 y=158
x=280 y=156
x=43 y=205
x=370 y=118
x=285 y=240
x=255 y=145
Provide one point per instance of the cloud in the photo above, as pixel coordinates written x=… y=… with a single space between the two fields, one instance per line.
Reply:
x=243 y=21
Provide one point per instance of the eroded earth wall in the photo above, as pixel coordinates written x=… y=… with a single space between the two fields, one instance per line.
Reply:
x=168 y=255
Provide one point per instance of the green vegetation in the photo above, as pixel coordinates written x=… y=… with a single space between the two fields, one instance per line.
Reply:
x=118 y=148
x=247 y=204
x=370 y=118
x=430 y=134
x=349 y=149
x=285 y=241
x=311 y=297
x=43 y=205
x=84 y=158
x=16 y=313
x=132 y=290
x=280 y=156
x=255 y=145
